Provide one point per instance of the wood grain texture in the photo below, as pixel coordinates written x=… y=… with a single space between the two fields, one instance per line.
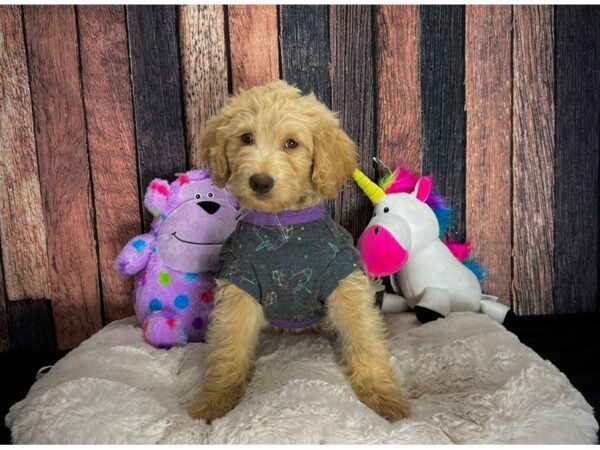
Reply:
x=304 y=48
x=204 y=66
x=397 y=72
x=4 y=336
x=253 y=45
x=306 y=54
x=352 y=94
x=31 y=327
x=442 y=105
x=111 y=145
x=154 y=52
x=533 y=159
x=22 y=228
x=64 y=171
x=488 y=166
x=577 y=66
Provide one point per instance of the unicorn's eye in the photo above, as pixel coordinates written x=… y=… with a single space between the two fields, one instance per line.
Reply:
x=210 y=195
x=386 y=209
x=198 y=196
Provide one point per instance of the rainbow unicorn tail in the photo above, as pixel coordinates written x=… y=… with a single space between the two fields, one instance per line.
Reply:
x=462 y=252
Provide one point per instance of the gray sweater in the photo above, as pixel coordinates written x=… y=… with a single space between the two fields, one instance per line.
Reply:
x=289 y=269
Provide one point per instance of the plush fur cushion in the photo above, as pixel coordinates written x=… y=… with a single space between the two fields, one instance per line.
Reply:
x=469 y=381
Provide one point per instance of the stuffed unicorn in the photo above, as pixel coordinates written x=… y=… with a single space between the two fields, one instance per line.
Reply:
x=175 y=263
x=402 y=240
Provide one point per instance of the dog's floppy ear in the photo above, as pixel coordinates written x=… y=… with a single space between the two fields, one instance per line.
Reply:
x=334 y=158
x=212 y=150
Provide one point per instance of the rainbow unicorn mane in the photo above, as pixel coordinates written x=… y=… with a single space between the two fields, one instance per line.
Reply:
x=402 y=180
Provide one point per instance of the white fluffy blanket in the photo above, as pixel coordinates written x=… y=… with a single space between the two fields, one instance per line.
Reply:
x=469 y=381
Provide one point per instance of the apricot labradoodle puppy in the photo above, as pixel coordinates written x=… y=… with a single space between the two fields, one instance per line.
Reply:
x=288 y=264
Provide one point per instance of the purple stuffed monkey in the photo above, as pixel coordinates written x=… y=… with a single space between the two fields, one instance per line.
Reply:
x=174 y=264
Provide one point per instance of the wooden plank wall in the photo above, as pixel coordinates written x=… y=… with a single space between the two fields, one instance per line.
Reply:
x=500 y=104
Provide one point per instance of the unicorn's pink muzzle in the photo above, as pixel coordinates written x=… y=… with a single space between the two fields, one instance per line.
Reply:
x=381 y=254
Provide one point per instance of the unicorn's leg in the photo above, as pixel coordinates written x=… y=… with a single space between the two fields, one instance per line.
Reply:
x=434 y=304
x=497 y=311
x=393 y=304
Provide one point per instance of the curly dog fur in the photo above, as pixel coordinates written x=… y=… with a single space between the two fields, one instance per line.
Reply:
x=297 y=142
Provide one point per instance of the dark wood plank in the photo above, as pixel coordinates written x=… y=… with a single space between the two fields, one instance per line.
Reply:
x=488 y=104
x=154 y=51
x=204 y=69
x=4 y=337
x=352 y=94
x=533 y=159
x=64 y=171
x=305 y=51
x=398 y=102
x=22 y=228
x=253 y=45
x=442 y=104
x=577 y=148
x=31 y=326
x=111 y=145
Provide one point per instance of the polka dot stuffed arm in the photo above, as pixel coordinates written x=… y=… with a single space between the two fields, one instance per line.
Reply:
x=135 y=255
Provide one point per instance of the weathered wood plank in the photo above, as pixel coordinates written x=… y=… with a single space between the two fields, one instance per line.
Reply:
x=352 y=94
x=577 y=69
x=253 y=45
x=111 y=145
x=442 y=104
x=533 y=159
x=31 y=326
x=154 y=52
x=305 y=51
x=488 y=104
x=204 y=64
x=64 y=170
x=22 y=228
x=397 y=69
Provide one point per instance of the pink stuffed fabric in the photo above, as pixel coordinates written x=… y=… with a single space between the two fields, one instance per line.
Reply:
x=175 y=263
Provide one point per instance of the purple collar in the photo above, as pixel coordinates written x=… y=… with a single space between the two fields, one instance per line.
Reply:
x=285 y=217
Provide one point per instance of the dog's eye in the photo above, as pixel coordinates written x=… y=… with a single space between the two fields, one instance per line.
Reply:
x=290 y=143
x=386 y=209
x=247 y=139
x=210 y=195
x=198 y=196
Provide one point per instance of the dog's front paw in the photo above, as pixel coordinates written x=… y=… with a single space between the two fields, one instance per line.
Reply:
x=209 y=406
x=389 y=403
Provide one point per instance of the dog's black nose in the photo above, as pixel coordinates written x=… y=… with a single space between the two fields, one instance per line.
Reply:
x=209 y=207
x=261 y=183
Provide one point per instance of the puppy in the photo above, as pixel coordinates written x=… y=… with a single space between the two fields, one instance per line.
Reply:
x=288 y=264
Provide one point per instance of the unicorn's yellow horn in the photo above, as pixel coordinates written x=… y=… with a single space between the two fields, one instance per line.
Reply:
x=371 y=190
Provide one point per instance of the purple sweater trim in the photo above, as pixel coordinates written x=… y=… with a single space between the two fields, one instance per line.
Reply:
x=295 y=325
x=286 y=217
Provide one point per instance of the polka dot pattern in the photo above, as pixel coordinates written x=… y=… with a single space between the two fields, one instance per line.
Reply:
x=190 y=277
x=198 y=323
x=207 y=297
x=164 y=278
x=182 y=301
x=139 y=245
x=155 y=305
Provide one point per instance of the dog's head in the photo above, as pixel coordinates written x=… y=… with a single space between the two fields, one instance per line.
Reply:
x=276 y=149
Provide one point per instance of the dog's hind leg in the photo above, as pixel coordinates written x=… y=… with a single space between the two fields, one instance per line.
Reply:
x=360 y=329
x=232 y=336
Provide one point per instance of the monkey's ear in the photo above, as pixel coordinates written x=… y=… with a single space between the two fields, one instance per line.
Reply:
x=334 y=158
x=212 y=150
